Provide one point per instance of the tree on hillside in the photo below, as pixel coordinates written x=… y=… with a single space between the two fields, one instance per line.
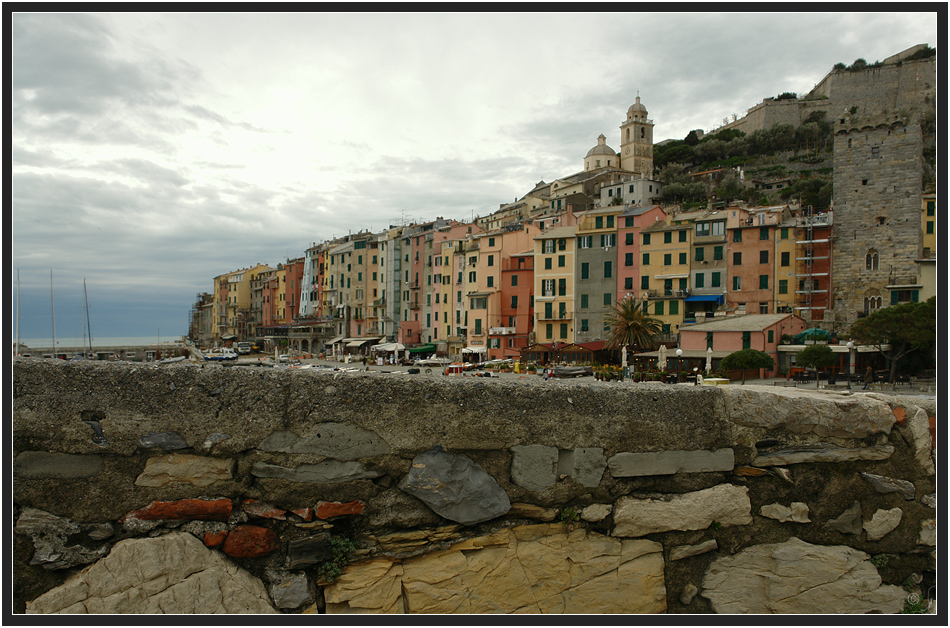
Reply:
x=631 y=325
x=747 y=359
x=818 y=357
x=907 y=327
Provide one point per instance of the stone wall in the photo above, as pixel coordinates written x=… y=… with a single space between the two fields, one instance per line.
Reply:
x=186 y=488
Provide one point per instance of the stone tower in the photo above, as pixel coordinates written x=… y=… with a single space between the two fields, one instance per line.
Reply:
x=877 y=201
x=636 y=141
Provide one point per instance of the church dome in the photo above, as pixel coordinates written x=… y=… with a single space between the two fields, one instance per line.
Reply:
x=601 y=148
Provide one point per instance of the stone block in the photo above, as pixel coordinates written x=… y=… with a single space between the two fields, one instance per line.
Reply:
x=585 y=464
x=528 y=569
x=804 y=412
x=454 y=487
x=796 y=577
x=670 y=462
x=163 y=440
x=596 y=512
x=882 y=523
x=796 y=513
x=293 y=591
x=534 y=467
x=532 y=512
x=327 y=472
x=341 y=441
x=309 y=551
x=919 y=427
x=887 y=485
x=821 y=452
x=928 y=532
x=38 y=465
x=174 y=573
x=185 y=468
x=726 y=504
x=685 y=551
x=849 y=522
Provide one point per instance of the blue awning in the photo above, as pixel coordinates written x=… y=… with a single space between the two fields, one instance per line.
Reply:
x=718 y=298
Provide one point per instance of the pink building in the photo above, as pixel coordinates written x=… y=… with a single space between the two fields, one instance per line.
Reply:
x=762 y=332
x=629 y=225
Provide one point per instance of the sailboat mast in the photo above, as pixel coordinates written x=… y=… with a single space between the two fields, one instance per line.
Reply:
x=88 y=328
x=52 y=310
x=17 y=312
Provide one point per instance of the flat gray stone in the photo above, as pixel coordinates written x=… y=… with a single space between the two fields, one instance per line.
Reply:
x=534 y=467
x=340 y=441
x=454 y=487
x=848 y=522
x=670 y=462
x=886 y=485
x=50 y=534
x=688 y=594
x=308 y=551
x=38 y=465
x=822 y=452
x=327 y=472
x=584 y=464
x=163 y=440
x=293 y=591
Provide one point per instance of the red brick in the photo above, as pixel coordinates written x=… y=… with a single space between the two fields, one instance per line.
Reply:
x=901 y=415
x=204 y=509
x=250 y=542
x=326 y=510
x=262 y=510
x=304 y=513
x=215 y=539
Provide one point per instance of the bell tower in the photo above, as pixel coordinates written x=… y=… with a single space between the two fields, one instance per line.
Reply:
x=636 y=141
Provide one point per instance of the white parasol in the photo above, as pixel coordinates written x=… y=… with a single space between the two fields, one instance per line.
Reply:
x=661 y=361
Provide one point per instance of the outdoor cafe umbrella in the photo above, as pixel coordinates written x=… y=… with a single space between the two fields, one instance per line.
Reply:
x=624 y=357
x=661 y=361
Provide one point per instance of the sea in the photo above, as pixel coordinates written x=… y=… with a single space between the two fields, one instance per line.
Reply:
x=119 y=341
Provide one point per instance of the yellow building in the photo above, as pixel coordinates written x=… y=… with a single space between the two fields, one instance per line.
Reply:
x=928 y=225
x=554 y=297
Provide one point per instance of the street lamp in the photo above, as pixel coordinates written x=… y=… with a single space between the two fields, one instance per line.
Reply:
x=679 y=363
x=850 y=346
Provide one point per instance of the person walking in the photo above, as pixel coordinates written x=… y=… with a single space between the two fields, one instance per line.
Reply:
x=868 y=378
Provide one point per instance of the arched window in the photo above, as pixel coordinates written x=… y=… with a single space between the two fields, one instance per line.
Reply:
x=871 y=260
x=872 y=303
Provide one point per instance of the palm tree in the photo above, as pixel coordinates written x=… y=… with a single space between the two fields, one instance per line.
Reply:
x=631 y=326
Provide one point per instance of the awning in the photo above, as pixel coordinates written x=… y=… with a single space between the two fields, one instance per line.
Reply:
x=359 y=342
x=475 y=350
x=388 y=346
x=422 y=348
x=336 y=340
x=717 y=298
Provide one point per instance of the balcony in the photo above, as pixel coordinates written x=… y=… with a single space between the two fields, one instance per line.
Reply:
x=667 y=294
x=413 y=305
x=500 y=331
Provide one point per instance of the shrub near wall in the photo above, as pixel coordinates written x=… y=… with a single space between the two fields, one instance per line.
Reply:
x=382 y=493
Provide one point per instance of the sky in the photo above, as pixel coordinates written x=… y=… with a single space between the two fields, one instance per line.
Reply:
x=153 y=152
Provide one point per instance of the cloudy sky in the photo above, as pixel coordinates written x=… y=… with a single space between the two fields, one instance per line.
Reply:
x=152 y=152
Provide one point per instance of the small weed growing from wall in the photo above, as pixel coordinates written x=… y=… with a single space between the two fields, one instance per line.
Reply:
x=568 y=515
x=341 y=548
x=879 y=560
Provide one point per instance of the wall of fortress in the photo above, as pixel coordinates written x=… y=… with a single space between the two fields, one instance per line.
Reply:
x=887 y=88
x=200 y=488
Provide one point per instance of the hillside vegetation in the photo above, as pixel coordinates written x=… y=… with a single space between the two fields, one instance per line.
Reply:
x=765 y=154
